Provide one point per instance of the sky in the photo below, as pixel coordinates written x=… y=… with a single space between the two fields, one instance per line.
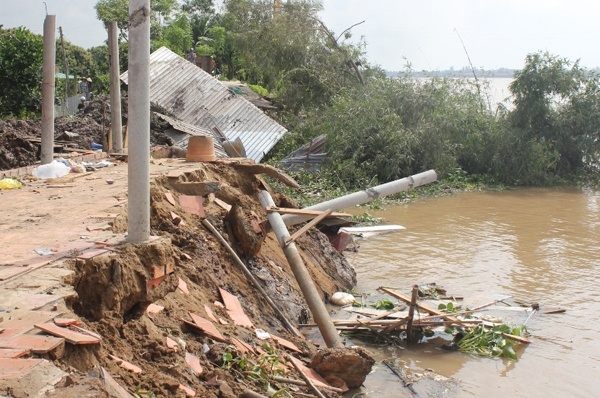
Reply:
x=424 y=33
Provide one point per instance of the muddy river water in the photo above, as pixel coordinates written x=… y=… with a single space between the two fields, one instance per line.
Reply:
x=540 y=245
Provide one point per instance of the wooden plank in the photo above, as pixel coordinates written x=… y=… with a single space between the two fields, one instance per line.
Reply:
x=431 y=311
x=69 y=335
x=520 y=339
x=306 y=227
x=304 y=212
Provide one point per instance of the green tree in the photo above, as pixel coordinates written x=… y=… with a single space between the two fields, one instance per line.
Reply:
x=177 y=35
x=20 y=72
x=109 y=11
x=292 y=54
x=556 y=105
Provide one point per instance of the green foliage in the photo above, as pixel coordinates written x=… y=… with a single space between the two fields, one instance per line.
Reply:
x=20 y=72
x=490 y=341
x=291 y=54
x=177 y=36
x=260 y=90
x=556 y=116
x=384 y=304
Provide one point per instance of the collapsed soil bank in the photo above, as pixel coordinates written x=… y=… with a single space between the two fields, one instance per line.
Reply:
x=113 y=294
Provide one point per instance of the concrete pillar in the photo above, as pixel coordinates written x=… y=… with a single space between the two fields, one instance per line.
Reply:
x=48 y=86
x=309 y=290
x=138 y=228
x=115 y=88
x=367 y=195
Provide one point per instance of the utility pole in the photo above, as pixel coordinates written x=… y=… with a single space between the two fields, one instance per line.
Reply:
x=115 y=88
x=48 y=86
x=138 y=167
x=66 y=66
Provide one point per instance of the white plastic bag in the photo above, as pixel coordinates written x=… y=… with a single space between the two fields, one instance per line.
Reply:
x=55 y=169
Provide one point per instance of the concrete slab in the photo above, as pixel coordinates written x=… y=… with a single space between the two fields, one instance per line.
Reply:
x=28 y=377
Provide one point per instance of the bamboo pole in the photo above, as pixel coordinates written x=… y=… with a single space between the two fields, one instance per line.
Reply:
x=288 y=325
x=287 y=380
x=367 y=195
x=411 y=314
x=311 y=295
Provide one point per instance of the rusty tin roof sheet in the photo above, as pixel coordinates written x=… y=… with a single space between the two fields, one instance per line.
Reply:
x=199 y=99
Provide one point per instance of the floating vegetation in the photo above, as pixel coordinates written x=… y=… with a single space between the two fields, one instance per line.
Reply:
x=490 y=341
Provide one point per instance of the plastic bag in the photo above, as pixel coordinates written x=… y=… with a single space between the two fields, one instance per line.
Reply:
x=55 y=169
x=10 y=183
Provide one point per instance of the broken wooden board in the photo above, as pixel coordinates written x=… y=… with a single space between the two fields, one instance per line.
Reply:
x=431 y=311
x=304 y=212
x=268 y=170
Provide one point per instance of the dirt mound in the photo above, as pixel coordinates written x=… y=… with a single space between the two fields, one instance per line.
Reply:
x=185 y=271
x=20 y=139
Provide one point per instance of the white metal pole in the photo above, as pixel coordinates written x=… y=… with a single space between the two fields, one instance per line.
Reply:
x=367 y=195
x=48 y=76
x=309 y=290
x=115 y=88
x=138 y=228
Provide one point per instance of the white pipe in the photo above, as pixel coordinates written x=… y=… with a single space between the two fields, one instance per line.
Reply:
x=311 y=295
x=115 y=88
x=138 y=228
x=48 y=65
x=367 y=195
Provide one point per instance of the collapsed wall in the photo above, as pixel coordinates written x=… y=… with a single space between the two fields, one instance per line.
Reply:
x=186 y=270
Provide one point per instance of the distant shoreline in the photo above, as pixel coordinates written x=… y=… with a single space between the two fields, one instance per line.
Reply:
x=464 y=72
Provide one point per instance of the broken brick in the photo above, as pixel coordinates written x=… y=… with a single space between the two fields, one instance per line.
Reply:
x=126 y=365
x=194 y=363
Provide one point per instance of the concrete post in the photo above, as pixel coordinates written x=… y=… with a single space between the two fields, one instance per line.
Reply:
x=309 y=290
x=66 y=66
x=116 y=123
x=367 y=195
x=48 y=65
x=138 y=228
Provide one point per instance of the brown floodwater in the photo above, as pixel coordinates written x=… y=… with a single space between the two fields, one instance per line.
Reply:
x=540 y=245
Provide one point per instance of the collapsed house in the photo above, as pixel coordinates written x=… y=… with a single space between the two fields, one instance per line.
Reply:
x=199 y=99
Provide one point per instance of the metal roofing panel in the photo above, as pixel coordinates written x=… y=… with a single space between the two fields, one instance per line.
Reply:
x=199 y=99
x=188 y=130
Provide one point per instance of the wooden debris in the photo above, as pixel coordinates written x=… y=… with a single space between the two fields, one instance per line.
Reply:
x=304 y=212
x=268 y=170
x=308 y=226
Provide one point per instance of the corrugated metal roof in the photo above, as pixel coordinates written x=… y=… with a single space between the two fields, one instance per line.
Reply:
x=182 y=131
x=199 y=99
